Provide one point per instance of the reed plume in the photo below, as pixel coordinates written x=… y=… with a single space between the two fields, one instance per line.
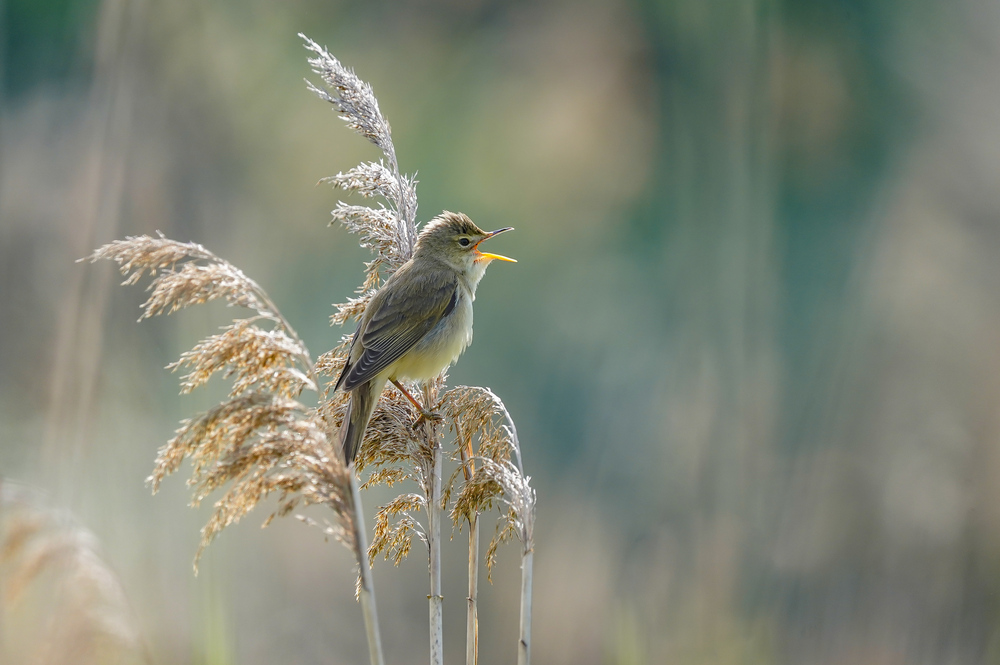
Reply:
x=262 y=440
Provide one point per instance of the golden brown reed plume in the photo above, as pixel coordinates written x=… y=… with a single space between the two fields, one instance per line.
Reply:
x=61 y=602
x=262 y=440
x=481 y=423
x=479 y=413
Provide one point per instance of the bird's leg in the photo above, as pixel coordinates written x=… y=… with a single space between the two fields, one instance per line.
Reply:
x=424 y=413
x=407 y=395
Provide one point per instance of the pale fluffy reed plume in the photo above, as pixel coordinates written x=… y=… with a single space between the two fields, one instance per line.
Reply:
x=389 y=230
x=52 y=567
x=393 y=450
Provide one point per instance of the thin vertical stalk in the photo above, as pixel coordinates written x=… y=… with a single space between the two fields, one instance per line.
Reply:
x=435 y=598
x=527 y=528
x=472 y=615
x=524 y=644
x=366 y=593
x=472 y=619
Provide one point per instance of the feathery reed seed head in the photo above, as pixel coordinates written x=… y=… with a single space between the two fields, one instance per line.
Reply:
x=262 y=440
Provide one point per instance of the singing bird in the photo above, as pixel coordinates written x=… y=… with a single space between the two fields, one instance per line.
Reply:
x=418 y=323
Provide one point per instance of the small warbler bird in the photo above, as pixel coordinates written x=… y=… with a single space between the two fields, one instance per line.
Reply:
x=418 y=323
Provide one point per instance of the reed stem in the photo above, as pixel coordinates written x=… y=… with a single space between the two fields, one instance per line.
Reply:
x=435 y=598
x=472 y=615
x=524 y=644
x=527 y=554
x=472 y=619
x=366 y=593
x=434 y=513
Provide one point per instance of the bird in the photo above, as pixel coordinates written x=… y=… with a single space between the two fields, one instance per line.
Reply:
x=418 y=323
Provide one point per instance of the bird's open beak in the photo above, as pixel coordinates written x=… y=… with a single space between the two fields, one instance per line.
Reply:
x=484 y=255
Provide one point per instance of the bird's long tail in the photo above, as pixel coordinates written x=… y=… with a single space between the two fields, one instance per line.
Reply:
x=363 y=400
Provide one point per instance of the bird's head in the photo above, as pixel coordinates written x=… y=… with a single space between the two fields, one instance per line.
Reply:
x=453 y=238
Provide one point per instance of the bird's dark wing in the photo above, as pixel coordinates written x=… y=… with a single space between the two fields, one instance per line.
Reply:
x=401 y=313
x=347 y=363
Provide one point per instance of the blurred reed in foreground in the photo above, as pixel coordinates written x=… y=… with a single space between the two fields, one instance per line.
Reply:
x=61 y=603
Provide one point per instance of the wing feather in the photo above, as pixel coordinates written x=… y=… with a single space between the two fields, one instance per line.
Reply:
x=407 y=308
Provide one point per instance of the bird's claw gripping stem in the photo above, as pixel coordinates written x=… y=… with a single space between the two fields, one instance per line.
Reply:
x=425 y=414
x=431 y=416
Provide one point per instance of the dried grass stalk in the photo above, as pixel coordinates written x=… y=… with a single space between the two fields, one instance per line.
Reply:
x=435 y=515
x=479 y=413
x=468 y=467
x=490 y=478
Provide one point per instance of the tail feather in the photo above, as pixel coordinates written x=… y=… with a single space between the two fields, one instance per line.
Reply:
x=363 y=400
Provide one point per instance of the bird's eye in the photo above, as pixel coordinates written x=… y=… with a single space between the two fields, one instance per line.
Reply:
x=464 y=242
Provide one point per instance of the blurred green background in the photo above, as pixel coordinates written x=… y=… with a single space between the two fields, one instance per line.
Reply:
x=752 y=344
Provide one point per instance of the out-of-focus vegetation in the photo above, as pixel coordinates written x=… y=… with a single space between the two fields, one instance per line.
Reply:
x=750 y=343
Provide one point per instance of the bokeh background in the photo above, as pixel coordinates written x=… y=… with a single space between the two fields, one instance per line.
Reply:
x=752 y=344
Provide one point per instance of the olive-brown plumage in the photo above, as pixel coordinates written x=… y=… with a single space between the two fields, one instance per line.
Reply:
x=419 y=322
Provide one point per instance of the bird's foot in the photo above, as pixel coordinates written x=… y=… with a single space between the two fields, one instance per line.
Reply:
x=430 y=416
